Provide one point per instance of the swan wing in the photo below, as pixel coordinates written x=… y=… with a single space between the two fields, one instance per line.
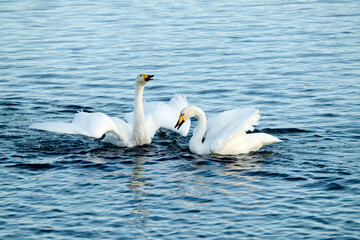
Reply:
x=229 y=124
x=93 y=125
x=163 y=115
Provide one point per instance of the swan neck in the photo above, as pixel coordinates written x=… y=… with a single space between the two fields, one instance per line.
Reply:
x=138 y=102
x=196 y=144
x=139 y=136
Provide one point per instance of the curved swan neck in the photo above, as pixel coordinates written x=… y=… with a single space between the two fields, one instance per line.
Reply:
x=196 y=145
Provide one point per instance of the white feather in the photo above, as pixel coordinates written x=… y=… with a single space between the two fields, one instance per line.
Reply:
x=163 y=115
x=149 y=117
x=226 y=133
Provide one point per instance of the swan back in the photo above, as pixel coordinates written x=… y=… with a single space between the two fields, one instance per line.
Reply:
x=246 y=143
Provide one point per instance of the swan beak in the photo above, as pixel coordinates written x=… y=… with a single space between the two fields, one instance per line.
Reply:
x=148 y=77
x=180 y=122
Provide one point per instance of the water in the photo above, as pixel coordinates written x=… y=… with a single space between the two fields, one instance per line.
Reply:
x=297 y=61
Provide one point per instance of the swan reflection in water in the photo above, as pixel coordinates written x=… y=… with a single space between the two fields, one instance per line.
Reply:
x=186 y=189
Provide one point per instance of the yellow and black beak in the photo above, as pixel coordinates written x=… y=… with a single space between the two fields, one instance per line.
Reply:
x=148 y=77
x=180 y=121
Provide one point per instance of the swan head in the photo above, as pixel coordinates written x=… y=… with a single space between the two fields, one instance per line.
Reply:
x=185 y=114
x=143 y=78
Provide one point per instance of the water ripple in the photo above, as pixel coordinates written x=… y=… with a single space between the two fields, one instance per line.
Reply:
x=298 y=62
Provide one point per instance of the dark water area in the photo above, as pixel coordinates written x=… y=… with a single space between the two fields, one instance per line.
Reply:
x=297 y=61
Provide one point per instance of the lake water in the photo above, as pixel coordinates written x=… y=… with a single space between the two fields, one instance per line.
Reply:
x=297 y=61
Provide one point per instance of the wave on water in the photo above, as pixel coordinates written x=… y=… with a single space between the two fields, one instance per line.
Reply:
x=284 y=130
x=34 y=166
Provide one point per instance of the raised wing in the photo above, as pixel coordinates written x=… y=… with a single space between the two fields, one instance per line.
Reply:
x=93 y=125
x=223 y=127
x=163 y=115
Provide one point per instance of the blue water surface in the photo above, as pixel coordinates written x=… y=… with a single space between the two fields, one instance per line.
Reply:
x=297 y=61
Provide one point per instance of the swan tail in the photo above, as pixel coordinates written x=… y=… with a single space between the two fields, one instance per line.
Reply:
x=267 y=139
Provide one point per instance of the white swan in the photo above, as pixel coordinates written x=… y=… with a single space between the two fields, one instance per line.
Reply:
x=225 y=132
x=139 y=128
